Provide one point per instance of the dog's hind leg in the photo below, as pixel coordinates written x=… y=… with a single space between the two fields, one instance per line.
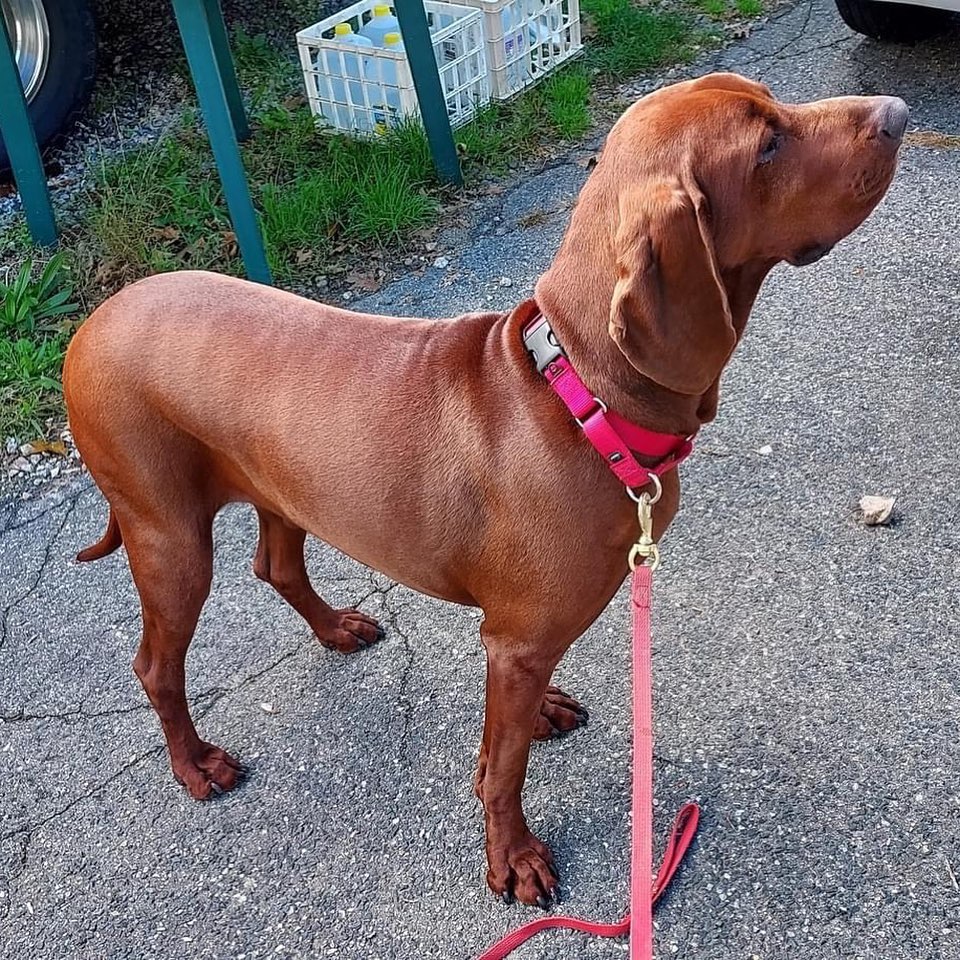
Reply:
x=279 y=561
x=171 y=559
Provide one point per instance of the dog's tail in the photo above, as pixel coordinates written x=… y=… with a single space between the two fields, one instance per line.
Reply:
x=111 y=539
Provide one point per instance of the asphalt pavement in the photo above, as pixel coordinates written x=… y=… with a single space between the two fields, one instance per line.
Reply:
x=808 y=677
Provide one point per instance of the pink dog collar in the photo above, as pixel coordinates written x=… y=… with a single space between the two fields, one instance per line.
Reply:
x=613 y=437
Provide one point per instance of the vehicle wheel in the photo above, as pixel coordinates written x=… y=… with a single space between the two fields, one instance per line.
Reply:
x=55 y=46
x=899 y=22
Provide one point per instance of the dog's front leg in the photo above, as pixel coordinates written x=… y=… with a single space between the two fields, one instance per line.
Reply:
x=517 y=677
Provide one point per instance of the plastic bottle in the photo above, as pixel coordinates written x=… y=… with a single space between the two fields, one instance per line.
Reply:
x=383 y=22
x=514 y=45
x=347 y=88
x=389 y=113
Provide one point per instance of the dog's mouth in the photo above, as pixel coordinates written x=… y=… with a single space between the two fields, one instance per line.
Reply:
x=808 y=255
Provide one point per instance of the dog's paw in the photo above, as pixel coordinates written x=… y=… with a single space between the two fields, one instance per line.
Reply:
x=207 y=771
x=349 y=631
x=522 y=870
x=559 y=714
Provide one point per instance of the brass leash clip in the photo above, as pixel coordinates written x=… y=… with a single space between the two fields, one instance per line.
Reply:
x=645 y=550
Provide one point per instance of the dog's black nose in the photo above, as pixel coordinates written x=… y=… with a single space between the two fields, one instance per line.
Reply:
x=892 y=116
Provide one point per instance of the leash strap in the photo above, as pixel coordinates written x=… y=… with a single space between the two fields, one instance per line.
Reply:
x=639 y=921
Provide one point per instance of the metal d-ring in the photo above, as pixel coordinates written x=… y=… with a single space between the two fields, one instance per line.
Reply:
x=603 y=409
x=657 y=491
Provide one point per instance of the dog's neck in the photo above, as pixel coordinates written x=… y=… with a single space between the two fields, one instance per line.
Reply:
x=575 y=295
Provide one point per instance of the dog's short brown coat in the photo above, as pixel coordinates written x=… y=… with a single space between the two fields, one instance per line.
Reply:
x=433 y=451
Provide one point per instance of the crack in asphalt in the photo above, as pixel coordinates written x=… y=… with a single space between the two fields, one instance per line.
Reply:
x=203 y=703
x=801 y=33
x=377 y=589
x=214 y=696
x=30 y=828
x=14 y=510
x=403 y=695
x=41 y=569
x=7 y=901
x=69 y=716
x=389 y=616
x=839 y=42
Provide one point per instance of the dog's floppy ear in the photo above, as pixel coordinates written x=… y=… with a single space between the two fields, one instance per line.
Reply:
x=669 y=314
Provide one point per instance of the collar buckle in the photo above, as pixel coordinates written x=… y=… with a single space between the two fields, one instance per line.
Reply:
x=542 y=344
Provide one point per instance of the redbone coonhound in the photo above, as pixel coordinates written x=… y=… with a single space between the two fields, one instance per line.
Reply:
x=433 y=451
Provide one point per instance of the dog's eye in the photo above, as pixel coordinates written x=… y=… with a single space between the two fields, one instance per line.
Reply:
x=770 y=147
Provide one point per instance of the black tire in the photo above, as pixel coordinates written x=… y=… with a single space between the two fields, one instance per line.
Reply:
x=897 y=22
x=66 y=85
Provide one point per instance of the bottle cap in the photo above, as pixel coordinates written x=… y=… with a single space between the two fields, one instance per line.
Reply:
x=381 y=10
x=391 y=39
x=342 y=29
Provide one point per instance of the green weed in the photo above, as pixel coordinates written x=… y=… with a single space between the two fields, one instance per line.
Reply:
x=159 y=207
x=34 y=321
x=630 y=39
x=264 y=72
x=714 y=8
x=566 y=96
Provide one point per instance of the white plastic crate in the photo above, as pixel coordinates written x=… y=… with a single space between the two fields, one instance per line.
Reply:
x=526 y=39
x=379 y=94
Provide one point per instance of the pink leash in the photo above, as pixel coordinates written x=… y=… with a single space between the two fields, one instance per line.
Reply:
x=615 y=439
x=639 y=921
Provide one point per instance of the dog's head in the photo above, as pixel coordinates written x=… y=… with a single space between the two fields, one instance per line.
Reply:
x=701 y=188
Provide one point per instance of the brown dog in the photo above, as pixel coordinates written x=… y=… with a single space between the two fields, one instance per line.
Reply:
x=433 y=451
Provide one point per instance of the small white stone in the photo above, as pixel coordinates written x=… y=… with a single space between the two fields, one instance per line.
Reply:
x=765 y=450
x=21 y=465
x=268 y=708
x=506 y=282
x=27 y=450
x=348 y=296
x=876 y=511
x=11 y=445
x=441 y=263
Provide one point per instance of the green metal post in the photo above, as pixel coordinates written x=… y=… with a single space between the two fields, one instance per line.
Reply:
x=21 y=144
x=228 y=74
x=198 y=43
x=426 y=79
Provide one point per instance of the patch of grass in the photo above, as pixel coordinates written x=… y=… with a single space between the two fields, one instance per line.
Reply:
x=388 y=203
x=159 y=207
x=566 y=96
x=714 y=8
x=723 y=10
x=503 y=132
x=15 y=240
x=629 y=39
x=374 y=192
x=263 y=72
x=35 y=311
